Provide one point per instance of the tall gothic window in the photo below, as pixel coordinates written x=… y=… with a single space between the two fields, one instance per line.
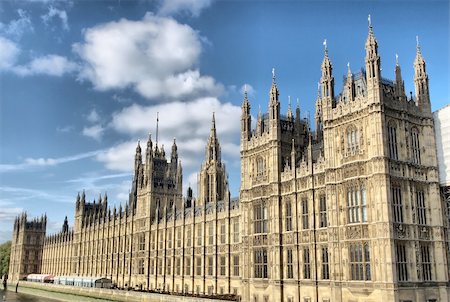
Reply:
x=359 y=261
x=288 y=216
x=260 y=263
x=236 y=265
x=178 y=266
x=199 y=235
x=421 y=209
x=415 y=146
x=198 y=266
x=222 y=266
x=392 y=139
x=352 y=139
x=210 y=265
x=306 y=264
x=210 y=233
x=236 y=230
x=325 y=264
x=402 y=263
x=141 y=242
x=397 y=204
x=179 y=237
x=187 y=266
x=356 y=204
x=323 y=211
x=260 y=166
x=305 y=214
x=290 y=264
x=222 y=232
x=169 y=238
x=260 y=217
x=188 y=236
x=426 y=262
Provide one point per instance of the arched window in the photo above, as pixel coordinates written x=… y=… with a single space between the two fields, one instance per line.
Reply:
x=260 y=218
x=356 y=204
x=352 y=139
x=260 y=166
x=288 y=214
x=415 y=146
x=392 y=140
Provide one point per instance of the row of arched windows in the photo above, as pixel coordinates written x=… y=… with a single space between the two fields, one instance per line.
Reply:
x=393 y=144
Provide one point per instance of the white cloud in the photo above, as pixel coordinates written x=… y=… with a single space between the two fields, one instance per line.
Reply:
x=9 y=213
x=93 y=116
x=95 y=132
x=119 y=157
x=17 y=27
x=18 y=194
x=9 y=52
x=65 y=129
x=193 y=7
x=155 y=56
x=52 y=65
x=189 y=122
x=44 y=162
x=56 y=13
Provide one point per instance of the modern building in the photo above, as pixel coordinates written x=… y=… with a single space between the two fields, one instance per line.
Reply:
x=442 y=129
x=350 y=212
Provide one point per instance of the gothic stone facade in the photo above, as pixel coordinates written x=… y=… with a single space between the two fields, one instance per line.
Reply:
x=351 y=212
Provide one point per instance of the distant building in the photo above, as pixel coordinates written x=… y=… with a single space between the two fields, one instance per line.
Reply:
x=442 y=128
x=351 y=212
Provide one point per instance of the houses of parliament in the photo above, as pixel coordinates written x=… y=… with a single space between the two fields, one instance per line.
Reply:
x=350 y=212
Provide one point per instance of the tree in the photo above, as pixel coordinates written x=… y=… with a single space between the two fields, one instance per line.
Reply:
x=5 y=251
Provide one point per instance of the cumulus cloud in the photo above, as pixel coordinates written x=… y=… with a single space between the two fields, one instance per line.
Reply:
x=95 y=132
x=18 y=27
x=58 y=14
x=9 y=52
x=52 y=65
x=193 y=7
x=155 y=56
x=93 y=116
x=189 y=122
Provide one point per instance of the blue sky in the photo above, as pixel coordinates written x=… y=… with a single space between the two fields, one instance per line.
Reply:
x=81 y=81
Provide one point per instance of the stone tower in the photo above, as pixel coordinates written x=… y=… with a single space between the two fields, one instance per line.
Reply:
x=265 y=153
x=26 y=246
x=213 y=181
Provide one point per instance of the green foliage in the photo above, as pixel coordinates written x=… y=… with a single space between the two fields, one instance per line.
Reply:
x=5 y=251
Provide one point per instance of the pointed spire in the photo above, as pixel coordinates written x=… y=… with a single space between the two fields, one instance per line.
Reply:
x=399 y=86
x=138 y=147
x=138 y=156
x=149 y=145
x=371 y=41
x=289 y=111
x=174 y=147
x=245 y=117
x=349 y=71
x=213 y=122
x=373 y=67
x=327 y=79
x=421 y=79
x=273 y=90
x=417 y=44
x=213 y=148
